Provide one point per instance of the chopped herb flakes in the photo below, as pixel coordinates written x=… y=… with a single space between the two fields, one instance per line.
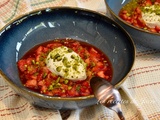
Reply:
x=65 y=62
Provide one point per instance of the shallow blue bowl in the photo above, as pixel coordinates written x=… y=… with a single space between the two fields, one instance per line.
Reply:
x=140 y=36
x=34 y=28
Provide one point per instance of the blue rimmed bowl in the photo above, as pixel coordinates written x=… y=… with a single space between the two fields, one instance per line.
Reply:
x=140 y=36
x=43 y=25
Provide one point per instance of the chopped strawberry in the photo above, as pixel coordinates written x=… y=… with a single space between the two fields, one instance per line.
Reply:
x=31 y=83
x=43 y=89
x=141 y=22
x=73 y=92
x=148 y=3
x=100 y=65
x=138 y=10
x=157 y=1
x=41 y=83
x=87 y=92
x=157 y=28
x=85 y=83
x=153 y=30
x=39 y=50
x=22 y=65
x=101 y=74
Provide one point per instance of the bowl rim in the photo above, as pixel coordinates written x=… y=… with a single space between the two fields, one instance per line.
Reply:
x=45 y=97
x=129 y=25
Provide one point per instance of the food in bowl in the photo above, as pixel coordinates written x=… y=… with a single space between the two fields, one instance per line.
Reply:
x=143 y=14
x=44 y=25
x=63 y=68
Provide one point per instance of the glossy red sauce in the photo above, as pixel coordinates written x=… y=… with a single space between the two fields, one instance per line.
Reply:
x=36 y=76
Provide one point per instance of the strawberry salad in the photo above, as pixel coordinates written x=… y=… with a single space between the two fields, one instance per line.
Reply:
x=143 y=14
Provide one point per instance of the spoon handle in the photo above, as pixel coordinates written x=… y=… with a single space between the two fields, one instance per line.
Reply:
x=120 y=115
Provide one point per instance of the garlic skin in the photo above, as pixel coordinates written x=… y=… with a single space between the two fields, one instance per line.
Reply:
x=68 y=64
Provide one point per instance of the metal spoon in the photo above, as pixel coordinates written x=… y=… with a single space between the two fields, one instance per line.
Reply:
x=107 y=95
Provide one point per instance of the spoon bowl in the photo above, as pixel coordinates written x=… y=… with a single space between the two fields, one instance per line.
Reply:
x=107 y=95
